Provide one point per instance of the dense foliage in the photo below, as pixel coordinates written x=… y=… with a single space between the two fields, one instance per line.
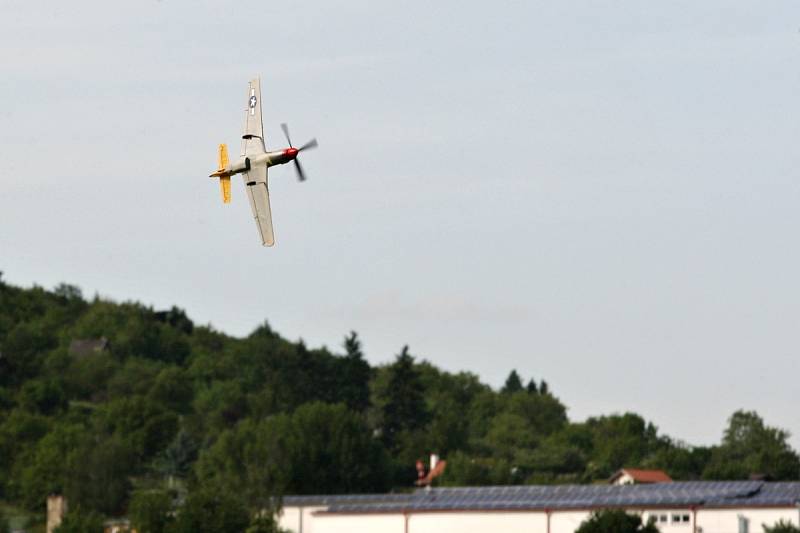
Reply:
x=782 y=527
x=169 y=414
x=615 y=521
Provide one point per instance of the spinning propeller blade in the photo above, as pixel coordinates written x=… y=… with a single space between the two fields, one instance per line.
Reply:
x=300 y=174
x=285 y=129
x=310 y=144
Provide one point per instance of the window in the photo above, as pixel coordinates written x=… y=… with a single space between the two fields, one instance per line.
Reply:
x=663 y=518
x=682 y=518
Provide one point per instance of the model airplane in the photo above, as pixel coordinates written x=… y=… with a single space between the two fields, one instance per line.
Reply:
x=254 y=162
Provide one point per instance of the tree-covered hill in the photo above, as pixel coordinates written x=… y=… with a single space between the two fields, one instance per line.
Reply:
x=156 y=402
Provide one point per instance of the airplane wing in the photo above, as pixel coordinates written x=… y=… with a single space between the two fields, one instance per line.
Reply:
x=253 y=136
x=256 y=184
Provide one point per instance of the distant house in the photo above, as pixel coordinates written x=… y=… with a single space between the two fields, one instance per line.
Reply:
x=86 y=347
x=118 y=525
x=635 y=476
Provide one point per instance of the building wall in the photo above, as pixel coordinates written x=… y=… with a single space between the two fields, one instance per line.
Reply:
x=364 y=523
x=56 y=508
x=727 y=520
x=677 y=521
x=624 y=479
x=492 y=521
x=567 y=521
x=290 y=519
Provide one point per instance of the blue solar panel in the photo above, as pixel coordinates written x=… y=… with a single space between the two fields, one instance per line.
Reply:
x=676 y=494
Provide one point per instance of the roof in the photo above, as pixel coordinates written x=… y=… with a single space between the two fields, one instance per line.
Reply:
x=642 y=476
x=85 y=347
x=684 y=494
x=437 y=471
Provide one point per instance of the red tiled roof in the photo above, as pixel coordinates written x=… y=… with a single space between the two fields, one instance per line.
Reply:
x=644 y=476
x=437 y=471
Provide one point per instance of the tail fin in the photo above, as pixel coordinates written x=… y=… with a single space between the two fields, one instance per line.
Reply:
x=224 y=181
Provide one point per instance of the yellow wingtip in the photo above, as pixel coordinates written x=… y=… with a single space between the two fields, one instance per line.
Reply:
x=225 y=188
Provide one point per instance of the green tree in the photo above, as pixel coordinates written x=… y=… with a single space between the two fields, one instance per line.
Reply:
x=4 y=525
x=615 y=521
x=509 y=434
x=751 y=447
x=543 y=412
x=404 y=407
x=19 y=432
x=679 y=460
x=556 y=459
x=544 y=388
x=79 y=520
x=355 y=375
x=88 y=378
x=45 y=396
x=264 y=523
x=98 y=474
x=333 y=452
x=781 y=527
x=176 y=460
x=46 y=470
x=463 y=469
x=68 y=292
x=618 y=441
x=513 y=383
x=211 y=510
x=149 y=511
x=319 y=448
x=172 y=388
x=145 y=426
x=448 y=397
x=23 y=350
x=222 y=404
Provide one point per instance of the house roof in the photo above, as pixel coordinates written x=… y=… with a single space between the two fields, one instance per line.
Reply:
x=437 y=471
x=85 y=347
x=642 y=476
x=684 y=494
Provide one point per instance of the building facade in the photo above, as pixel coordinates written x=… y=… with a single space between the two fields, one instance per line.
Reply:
x=678 y=507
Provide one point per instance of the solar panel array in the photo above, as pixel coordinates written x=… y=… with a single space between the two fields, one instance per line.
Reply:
x=659 y=495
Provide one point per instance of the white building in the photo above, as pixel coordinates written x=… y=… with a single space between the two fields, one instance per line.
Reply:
x=678 y=507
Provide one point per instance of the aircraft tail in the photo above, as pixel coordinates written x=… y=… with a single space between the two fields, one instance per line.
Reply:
x=225 y=188
x=224 y=179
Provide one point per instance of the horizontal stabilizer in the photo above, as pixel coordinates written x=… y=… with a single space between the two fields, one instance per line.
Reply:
x=223 y=156
x=225 y=188
x=222 y=162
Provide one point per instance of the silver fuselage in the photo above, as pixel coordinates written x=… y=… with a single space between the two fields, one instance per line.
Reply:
x=266 y=159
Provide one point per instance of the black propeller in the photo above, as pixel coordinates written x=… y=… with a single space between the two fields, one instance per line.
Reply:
x=310 y=144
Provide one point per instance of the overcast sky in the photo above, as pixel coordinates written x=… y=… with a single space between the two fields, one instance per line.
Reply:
x=603 y=194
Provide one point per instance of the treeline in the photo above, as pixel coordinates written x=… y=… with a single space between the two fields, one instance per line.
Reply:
x=167 y=405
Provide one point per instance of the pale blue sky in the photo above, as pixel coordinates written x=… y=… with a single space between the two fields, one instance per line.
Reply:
x=604 y=194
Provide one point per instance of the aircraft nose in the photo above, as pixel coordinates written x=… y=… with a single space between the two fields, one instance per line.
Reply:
x=291 y=152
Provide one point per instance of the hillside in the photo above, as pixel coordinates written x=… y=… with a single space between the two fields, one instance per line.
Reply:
x=104 y=401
